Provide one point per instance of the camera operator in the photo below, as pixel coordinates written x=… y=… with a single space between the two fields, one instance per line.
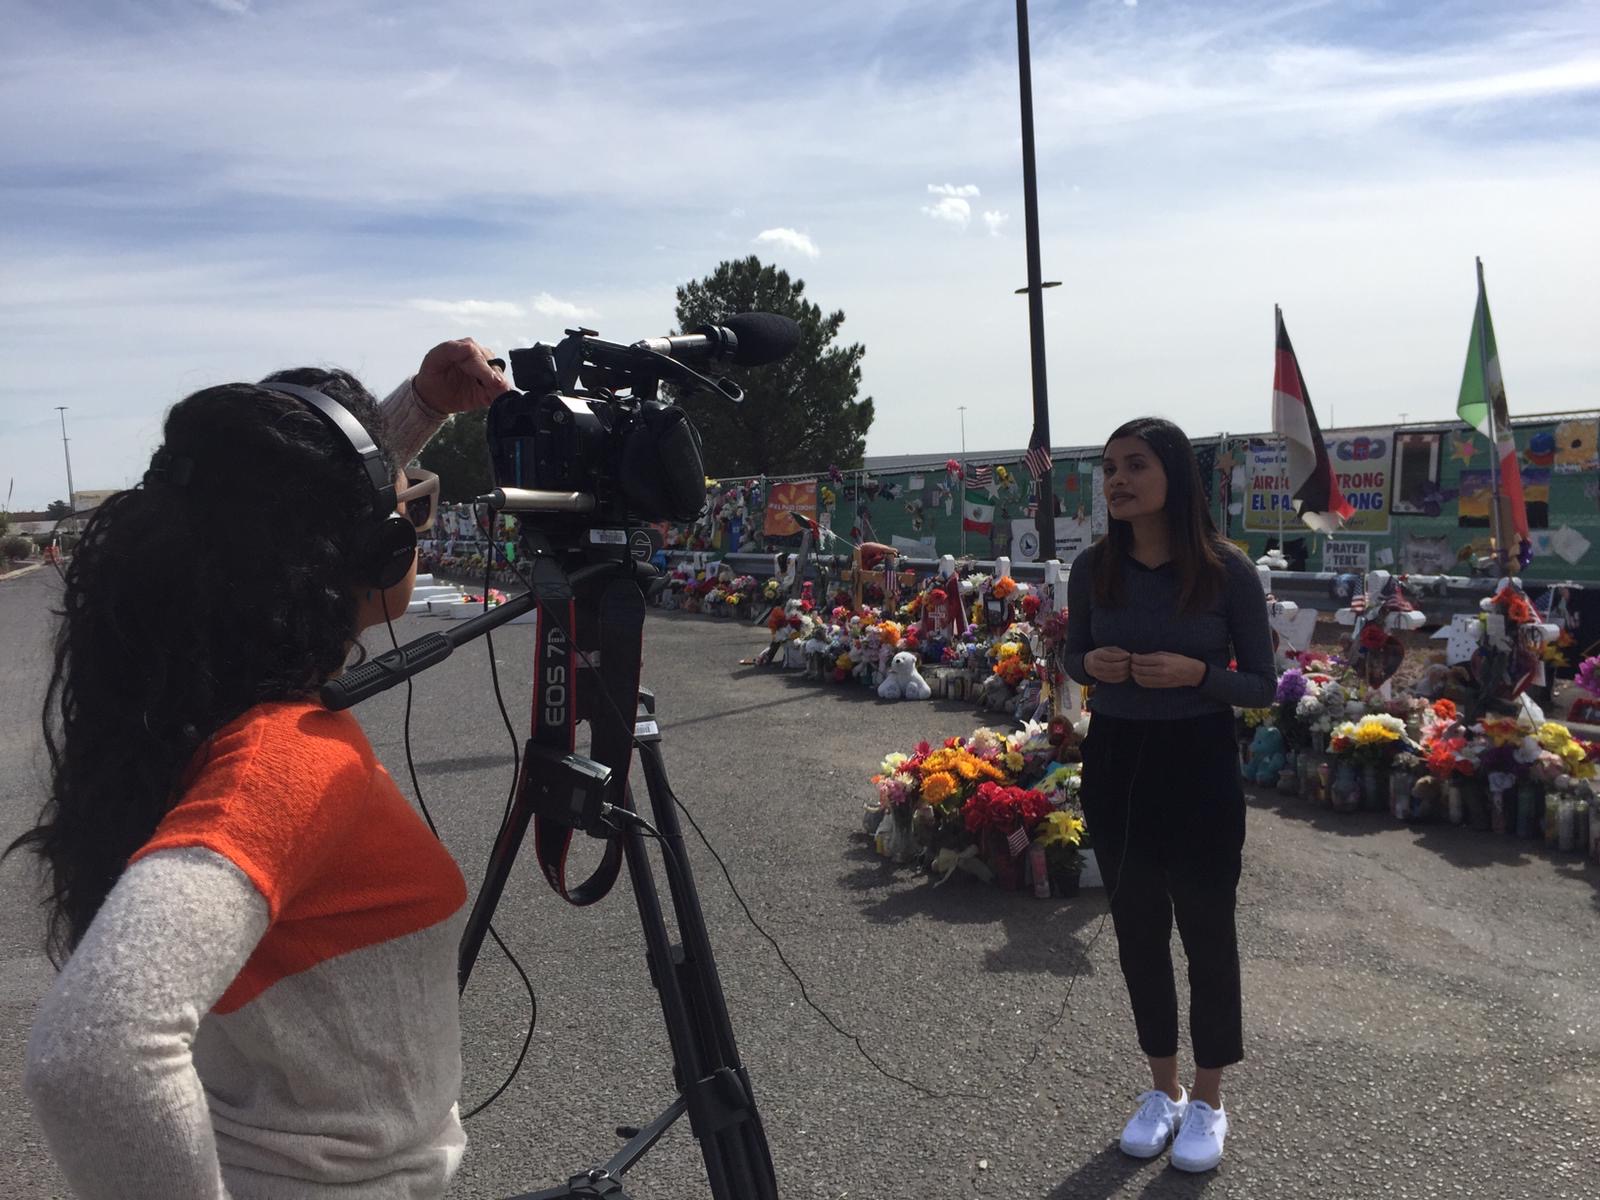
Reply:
x=260 y=998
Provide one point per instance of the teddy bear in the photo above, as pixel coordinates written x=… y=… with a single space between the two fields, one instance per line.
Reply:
x=1427 y=799
x=994 y=695
x=816 y=652
x=864 y=655
x=1267 y=756
x=904 y=681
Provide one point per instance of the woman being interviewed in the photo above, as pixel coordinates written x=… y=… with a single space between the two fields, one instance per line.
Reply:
x=1156 y=608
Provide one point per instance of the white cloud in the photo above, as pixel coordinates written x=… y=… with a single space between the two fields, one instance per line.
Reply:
x=547 y=305
x=953 y=209
x=1291 y=136
x=995 y=221
x=1131 y=3
x=431 y=84
x=793 y=239
x=469 y=312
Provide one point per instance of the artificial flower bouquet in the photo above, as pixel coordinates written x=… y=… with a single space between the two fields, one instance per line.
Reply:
x=1371 y=741
x=981 y=803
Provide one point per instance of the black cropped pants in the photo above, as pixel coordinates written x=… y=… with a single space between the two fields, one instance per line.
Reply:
x=1165 y=810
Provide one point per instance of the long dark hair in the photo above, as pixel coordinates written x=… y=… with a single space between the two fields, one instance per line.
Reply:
x=222 y=581
x=1196 y=547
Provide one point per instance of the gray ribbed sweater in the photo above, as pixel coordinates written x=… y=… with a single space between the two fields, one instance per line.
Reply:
x=1149 y=621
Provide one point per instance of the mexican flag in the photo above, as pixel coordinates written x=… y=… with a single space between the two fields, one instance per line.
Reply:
x=977 y=513
x=1483 y=406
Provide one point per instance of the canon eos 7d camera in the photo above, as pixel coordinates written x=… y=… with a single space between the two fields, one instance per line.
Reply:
x=586 y=445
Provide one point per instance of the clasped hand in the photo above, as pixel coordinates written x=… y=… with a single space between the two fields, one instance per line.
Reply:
x=1162 y=669
x=456 y=377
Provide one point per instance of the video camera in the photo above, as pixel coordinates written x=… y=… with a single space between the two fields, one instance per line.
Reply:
x=588 y=444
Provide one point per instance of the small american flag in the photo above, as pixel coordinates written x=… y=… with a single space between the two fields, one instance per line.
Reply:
x=1017 y=841
x=1037 y=460
x=978 y=476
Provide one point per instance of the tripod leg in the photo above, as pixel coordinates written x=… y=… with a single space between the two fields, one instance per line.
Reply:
x=714 y=1086
x=742 y=1143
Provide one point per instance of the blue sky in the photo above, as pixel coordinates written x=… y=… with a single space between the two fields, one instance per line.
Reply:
x=203 y=190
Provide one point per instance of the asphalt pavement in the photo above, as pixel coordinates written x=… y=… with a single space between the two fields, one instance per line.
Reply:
x=1420 y=1003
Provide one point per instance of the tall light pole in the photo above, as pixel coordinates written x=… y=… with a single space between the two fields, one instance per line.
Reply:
x=71 y=503
x=962 y=498
x=1046 y=524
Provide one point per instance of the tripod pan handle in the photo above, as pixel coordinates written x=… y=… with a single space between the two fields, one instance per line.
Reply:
x=383 y=672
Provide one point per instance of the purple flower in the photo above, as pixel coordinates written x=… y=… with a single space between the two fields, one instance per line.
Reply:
x=1291 y=686
x=1586 y=680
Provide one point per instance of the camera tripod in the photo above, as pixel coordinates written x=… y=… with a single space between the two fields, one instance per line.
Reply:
x=598 y=608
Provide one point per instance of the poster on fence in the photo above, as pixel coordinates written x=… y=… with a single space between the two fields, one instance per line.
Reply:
x=1361 y=460
x=1072 y=538
x=786 y=498
x=1346 y=556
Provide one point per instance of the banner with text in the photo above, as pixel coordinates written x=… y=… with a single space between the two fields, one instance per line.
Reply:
x=1361 y=461
x=1346 y=555
x=786 y=498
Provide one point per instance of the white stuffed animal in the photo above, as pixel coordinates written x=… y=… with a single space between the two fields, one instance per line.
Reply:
x=904 y=681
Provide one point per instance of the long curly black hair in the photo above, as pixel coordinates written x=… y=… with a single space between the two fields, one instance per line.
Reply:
x=225 y=580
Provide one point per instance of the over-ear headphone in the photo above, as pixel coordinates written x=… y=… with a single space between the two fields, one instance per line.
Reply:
x=386 y=550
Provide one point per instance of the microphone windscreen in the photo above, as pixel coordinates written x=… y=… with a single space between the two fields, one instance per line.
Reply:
x=763 y=337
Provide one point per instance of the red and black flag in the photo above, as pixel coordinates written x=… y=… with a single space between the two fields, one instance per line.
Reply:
x=1313 y=489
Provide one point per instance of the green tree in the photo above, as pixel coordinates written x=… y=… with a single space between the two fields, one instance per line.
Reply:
x=58 y=509
x=459 y=454
x=799 y=414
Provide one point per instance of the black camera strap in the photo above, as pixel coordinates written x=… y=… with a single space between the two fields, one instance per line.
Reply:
x=555 y=721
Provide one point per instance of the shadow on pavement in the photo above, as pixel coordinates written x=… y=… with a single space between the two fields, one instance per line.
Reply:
x=1042 y=936
x=1170 y=1181
x=1584 y=870
x=1297 y=808
x=1464 y=847
x=1101 y=1177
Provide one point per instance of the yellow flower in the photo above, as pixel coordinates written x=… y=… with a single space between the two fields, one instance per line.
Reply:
x=1013 y=762
x=938 y=787
x=1553 y=736
x=1060 y=828
x=1370 y=734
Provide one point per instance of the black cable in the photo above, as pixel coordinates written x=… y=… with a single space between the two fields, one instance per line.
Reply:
x=527 y=1040
x=804 y=991
x=416 y=787
x=1127 y=830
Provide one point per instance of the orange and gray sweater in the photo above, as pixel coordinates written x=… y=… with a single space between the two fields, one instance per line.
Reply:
x=265 y=1006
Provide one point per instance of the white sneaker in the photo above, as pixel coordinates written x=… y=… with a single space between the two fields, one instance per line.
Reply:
x=1200 y=1137
x=1150 y=1129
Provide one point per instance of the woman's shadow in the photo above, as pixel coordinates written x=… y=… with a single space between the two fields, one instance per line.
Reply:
x=1109 y=1172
